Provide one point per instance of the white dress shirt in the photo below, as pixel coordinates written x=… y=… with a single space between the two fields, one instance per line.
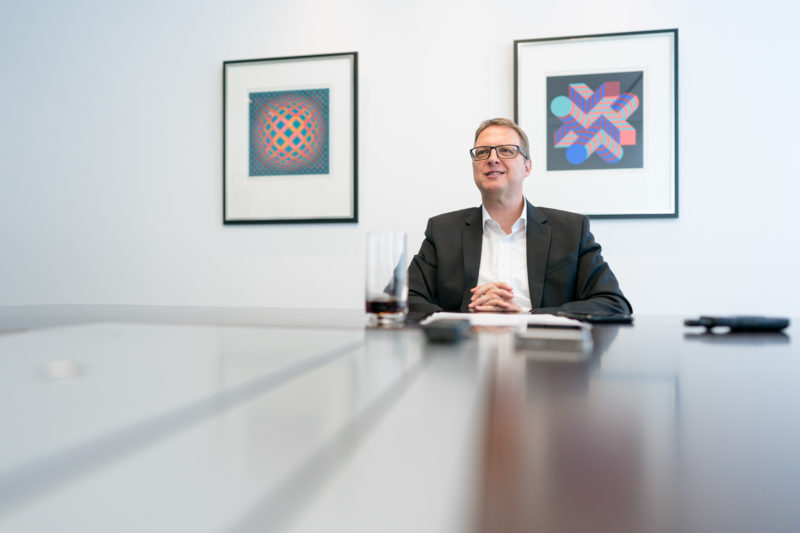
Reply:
x=505 y=257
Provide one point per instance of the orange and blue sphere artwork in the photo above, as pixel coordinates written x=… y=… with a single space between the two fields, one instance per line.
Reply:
x=289 y=132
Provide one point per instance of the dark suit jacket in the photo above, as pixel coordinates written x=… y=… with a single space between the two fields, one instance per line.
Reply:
x=566 y=270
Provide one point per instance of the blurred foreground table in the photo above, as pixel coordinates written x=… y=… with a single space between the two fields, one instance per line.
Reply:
x=124 y=418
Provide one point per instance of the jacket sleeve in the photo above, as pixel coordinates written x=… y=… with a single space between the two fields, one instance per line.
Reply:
x=596 y=289
x=422 y=280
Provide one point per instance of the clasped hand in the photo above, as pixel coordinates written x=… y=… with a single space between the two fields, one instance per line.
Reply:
x=493 y=297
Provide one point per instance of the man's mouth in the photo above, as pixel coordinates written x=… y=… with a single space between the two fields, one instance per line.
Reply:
x=493 y=174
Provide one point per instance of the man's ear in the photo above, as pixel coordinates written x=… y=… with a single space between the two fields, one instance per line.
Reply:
x=528 y=167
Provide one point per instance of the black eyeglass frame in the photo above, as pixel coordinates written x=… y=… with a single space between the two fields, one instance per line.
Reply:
x=489 y=153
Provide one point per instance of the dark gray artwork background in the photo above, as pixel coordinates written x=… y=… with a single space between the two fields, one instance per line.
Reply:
x=630 y=82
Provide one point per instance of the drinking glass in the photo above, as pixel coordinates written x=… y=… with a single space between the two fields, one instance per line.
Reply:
x=386 y=281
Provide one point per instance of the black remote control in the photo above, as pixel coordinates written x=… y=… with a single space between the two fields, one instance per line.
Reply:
x=740 y=323
x=447 y=330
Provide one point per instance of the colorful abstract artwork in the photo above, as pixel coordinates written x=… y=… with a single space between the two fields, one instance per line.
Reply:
x=595 y=121
x=289 y=132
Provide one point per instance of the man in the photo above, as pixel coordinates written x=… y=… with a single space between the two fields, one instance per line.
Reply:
x=507 y=255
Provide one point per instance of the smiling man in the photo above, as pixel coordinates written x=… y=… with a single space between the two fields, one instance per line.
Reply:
x=507 y=255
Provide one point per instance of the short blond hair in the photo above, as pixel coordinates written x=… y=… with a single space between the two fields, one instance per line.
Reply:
x=506 y=123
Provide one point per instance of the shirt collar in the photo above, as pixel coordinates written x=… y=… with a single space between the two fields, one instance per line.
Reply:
x=485 y=216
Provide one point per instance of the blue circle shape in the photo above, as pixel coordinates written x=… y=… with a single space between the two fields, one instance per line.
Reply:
x=560 y=106
x=576 y=154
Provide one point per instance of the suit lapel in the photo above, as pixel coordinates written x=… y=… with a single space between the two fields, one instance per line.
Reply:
x=538 y=246
x=471 y=240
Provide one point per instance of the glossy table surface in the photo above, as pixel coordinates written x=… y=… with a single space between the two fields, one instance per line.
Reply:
x=122 y=418
x=664 y=428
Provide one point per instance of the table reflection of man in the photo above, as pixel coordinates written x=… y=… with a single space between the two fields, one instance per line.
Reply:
x=507 y=255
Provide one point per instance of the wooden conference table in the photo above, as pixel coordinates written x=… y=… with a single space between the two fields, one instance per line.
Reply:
x=225 y=420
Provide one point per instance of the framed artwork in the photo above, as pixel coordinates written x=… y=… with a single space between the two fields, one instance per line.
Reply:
x=290 y=139
x=601 y=113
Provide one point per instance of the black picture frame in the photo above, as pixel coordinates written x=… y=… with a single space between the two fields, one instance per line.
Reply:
x=290 y=139
x=590 y=184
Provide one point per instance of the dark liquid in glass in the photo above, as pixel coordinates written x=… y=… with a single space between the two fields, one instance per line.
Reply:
x=384 y=306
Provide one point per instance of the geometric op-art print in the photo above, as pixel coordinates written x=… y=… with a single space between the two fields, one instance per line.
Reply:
x=289 y=132
x=595 y=121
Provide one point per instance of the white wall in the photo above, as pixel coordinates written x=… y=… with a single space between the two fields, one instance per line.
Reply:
x=110 y=146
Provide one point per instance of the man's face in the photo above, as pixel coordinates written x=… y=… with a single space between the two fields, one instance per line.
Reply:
x=495 y=176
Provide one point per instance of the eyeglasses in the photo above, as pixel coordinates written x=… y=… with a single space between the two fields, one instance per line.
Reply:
x=503 y=151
